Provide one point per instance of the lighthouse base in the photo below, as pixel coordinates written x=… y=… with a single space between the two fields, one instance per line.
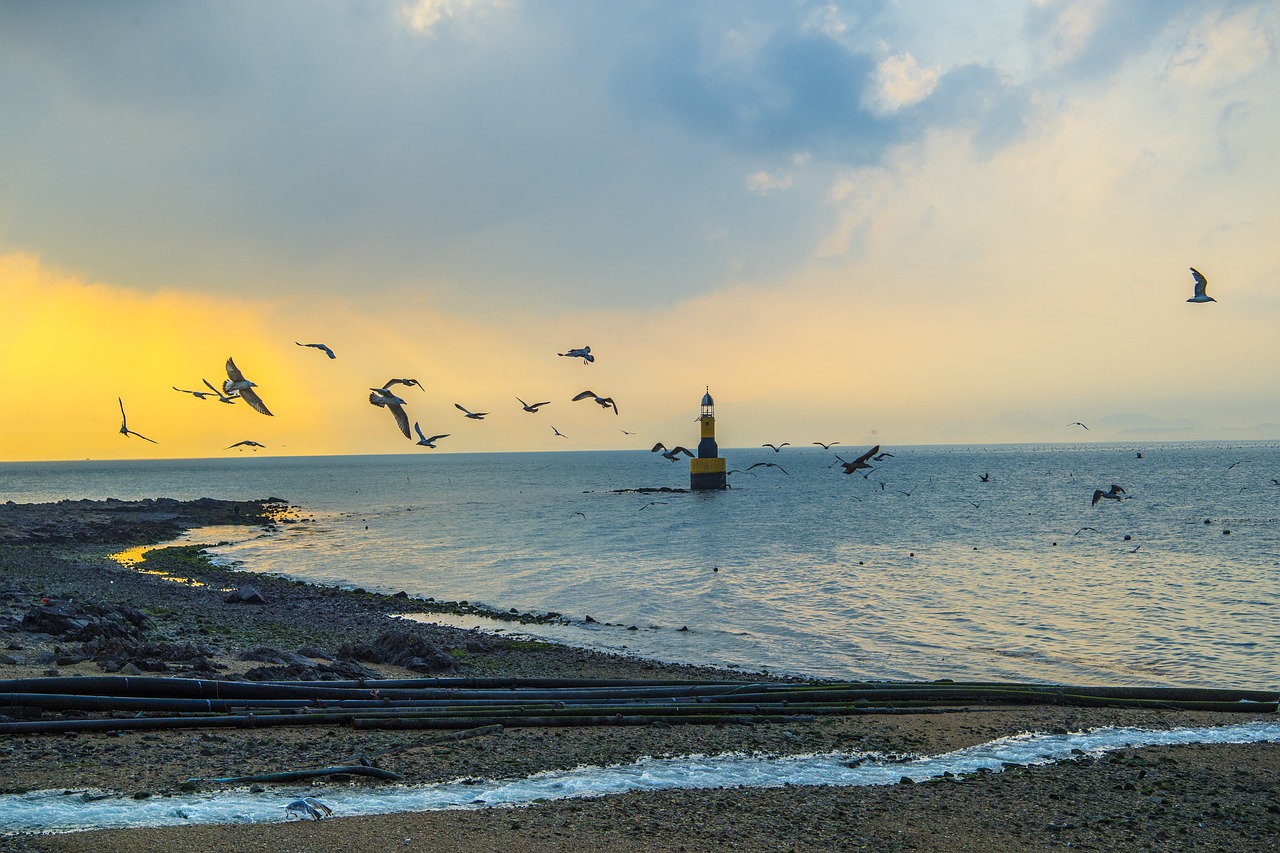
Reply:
x=706 y=474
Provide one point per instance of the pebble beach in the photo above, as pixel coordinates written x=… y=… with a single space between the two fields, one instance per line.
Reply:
x=1192 y=797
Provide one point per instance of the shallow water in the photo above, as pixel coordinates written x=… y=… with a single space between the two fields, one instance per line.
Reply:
x=918 y=571
x=65 y=811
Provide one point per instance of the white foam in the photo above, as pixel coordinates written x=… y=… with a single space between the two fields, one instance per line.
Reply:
x=67 y=811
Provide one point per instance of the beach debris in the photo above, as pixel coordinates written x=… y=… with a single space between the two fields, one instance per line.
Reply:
x=308 y=806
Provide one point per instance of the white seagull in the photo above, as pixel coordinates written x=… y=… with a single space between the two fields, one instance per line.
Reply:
x=320 y=347
x=124 y=426
x=200 y=395
x=605 y=402
x=308 y=807
x=583 y=353
x=1201 y=284
x=237 y=382
x=673 y=454
x=423 y=440
x=222 y=398
x=475 y=416
x=1111 y=494
x=405 y=382
x=383 y=397
x=532 y=407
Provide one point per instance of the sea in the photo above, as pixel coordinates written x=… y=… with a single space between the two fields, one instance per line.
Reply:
x=987 y=563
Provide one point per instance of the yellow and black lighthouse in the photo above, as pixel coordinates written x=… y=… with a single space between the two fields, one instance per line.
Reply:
x=707 y=469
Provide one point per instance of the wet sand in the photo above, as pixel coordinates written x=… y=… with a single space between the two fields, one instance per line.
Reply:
x=1172 y=798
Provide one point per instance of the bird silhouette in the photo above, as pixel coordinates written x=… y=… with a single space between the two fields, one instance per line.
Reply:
x=222 y=398
x=124 y=425
x=768 y=465
x=237 y=382
x=583 y=353
x=777 y=447
x=673 y=454
x=1112 y=494
x=324 y=349
x=860 y=462
x=475 y=416
x=604 y=402
x=244 y=444
x=384 y=398
x=405 y=382
x=1201 y=284
x=826 y=446
x=424 y=440
x=532 y=407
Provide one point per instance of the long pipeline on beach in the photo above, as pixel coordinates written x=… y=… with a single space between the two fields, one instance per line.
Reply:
x=89 y=703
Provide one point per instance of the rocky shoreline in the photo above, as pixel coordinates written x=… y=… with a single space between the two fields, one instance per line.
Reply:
x=68 y=610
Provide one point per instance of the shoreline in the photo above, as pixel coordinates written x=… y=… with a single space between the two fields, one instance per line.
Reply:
x=1209 y=795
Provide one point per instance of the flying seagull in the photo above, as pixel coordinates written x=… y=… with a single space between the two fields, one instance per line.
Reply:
x=124 y=426
x=583 y=353
x=246 y=443
x=558 y=432
x=320 y=347
x=423 y=440
x=405 y=382
x=222 y=398
x=237 y=382
x=860 y=462
x=826 y=446
x=880 y=457
x=532 y=407
x=1201 y=284
x=605 y=402
x=777 y=447
x=769 y=465
x=383 y=397
x=1077 y=423
x=673 y=454
x=985 y=478
x=1111 y=494
x=200 y=395
x=308 y=807
x=475 y=416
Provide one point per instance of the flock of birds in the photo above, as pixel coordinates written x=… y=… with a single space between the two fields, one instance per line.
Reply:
x=238 y=387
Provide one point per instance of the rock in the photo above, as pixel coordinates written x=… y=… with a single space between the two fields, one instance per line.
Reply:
x=245 y=595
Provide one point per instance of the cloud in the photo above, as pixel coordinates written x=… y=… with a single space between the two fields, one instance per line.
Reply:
x=423 y=16
x=900 y=81
x=1226 y=46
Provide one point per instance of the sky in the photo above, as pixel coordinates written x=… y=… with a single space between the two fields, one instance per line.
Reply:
x=919 y=222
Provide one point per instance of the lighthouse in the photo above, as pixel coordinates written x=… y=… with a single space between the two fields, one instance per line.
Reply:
x=707 y=469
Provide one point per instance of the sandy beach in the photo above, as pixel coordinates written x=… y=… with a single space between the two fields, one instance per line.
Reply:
x=1196 y=797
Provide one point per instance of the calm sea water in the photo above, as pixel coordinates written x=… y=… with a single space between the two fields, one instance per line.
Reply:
x=919 y=570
